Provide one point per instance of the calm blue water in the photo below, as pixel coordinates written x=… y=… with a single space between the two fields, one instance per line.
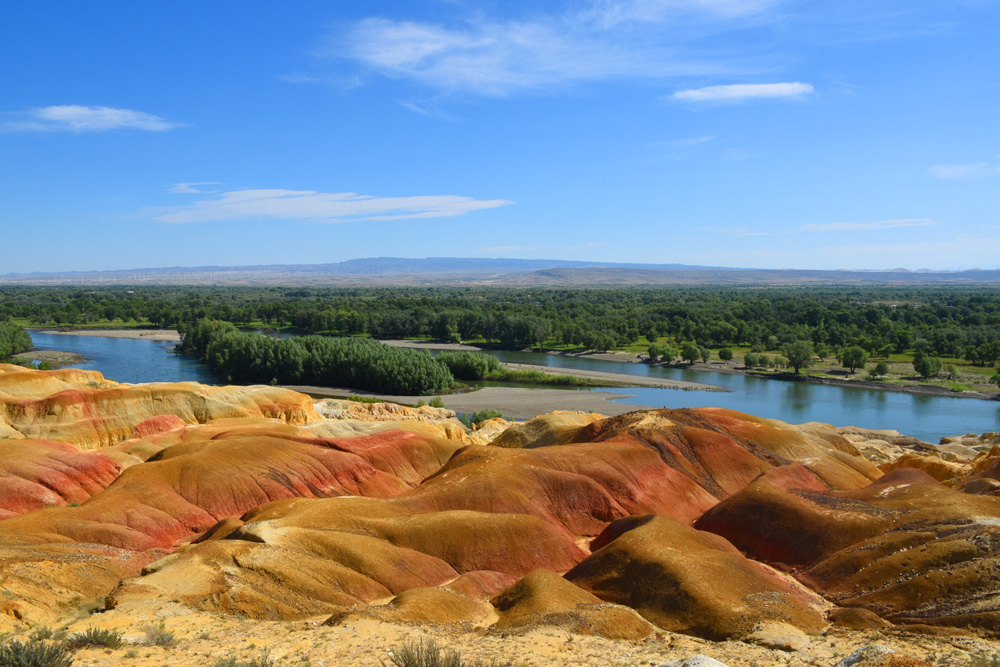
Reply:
x=126 y=360
x=925 y=417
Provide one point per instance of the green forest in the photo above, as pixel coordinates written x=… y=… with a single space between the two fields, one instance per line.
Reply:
x=954 y=322
x=13 y=339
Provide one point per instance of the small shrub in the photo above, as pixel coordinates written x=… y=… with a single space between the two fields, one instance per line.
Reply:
x=264 y=660
x=94 y=637
x=436 y=402
x=478 y=417
x=41 y=634
x=34 y=654
x=363 y=399
x=430 y=655
x=419 y=404
x=158 y=635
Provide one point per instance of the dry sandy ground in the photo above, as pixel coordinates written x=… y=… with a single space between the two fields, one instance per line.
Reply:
x=514 y=402
x=168 y=335
x=203 y=638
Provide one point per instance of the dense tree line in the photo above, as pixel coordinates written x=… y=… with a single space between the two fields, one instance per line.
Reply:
x=13 y=339
x=942 y=321
x=469 y=365
x=360 y=363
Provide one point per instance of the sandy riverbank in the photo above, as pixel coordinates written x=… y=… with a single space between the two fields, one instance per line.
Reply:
x=515 y=403
x=168 y=335
x=616 y=379
x=55 y=358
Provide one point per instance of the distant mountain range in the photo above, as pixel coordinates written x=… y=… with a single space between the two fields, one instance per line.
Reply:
x=496 y=272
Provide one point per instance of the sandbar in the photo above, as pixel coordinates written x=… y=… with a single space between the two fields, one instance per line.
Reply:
x=168 y=335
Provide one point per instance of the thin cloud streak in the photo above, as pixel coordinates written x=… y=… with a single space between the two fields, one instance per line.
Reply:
x=323 y=207
x=961 y=172
x=507 y=248
x=741 y=92
x=189 y=188
x=77 y=118
x=835 y=227
x=608 y=39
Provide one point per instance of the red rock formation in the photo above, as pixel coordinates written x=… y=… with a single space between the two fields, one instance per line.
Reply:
x=689 y=581
x=41 y=473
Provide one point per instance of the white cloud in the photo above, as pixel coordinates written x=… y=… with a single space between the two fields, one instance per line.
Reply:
x=189 y=188
x=607 y=39
x=960 y=172
x=78 y=118
x=740 y=92
x=323 y=207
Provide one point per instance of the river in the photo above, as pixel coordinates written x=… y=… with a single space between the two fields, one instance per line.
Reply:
x=926 y=417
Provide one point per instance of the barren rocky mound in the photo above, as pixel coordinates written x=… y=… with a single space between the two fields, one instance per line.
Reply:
x=250 y=501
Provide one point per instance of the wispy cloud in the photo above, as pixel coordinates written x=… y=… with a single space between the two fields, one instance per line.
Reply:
x=962 y=172
x=606 y=39
x=689 y=142
x=584 y=246
x=323 y=207
x=611 y=13
x=507 y=248
x=430 y=111
x=863 y=226
x=833 y=227
x=189 y=188
x=78 y=118
x=741 y=92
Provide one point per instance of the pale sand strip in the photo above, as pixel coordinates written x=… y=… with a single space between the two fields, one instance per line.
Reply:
x=617 y=379
x=514 y=402
x=168 y=335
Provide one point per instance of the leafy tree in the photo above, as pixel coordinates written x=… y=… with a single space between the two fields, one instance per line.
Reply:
x=925 y=365
x=726 y=355
x=690 y=353
x=654 y=351
x=881 y=369
x=750 y=359
x=799 y=354
x=853 y=357
x=706 y=354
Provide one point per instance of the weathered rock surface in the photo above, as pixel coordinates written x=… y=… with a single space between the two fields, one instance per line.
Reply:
x=248 y=501
x=694 y=582
x=35 y=474
x=84 y=409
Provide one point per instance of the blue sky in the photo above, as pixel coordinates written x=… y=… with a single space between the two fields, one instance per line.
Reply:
x=753 y=133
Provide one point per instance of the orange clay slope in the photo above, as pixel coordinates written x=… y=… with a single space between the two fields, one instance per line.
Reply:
x=240 y=500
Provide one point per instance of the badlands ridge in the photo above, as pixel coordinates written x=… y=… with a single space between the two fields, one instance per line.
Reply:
x=650 y=536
